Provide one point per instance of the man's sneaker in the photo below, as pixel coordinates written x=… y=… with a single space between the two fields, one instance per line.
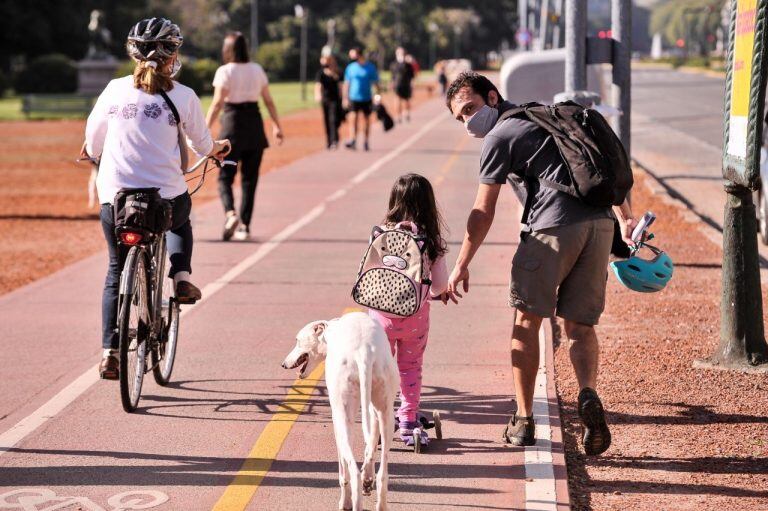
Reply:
x=520 y=431
x=242 y=233
x=109 y=368
x=187 y=293
x=596 y=436
x=230 y=224
x=351 y=145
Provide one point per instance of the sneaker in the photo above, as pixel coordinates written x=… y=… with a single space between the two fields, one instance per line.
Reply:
x=365 y=146
x=230 y=224
x=351 y=145
x=406 y=433
x=596 y=437
x=242 y=233
x=187 y=293
x=109 y=368
x=520 y=431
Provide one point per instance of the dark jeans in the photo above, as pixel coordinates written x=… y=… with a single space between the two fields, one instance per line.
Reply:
x=331 y=118
x=178 y=241
x=249 y=178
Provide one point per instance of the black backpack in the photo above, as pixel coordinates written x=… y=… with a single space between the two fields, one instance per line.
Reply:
x=597 y=163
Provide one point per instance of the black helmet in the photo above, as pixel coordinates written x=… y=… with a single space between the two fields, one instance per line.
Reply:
x=153 y=39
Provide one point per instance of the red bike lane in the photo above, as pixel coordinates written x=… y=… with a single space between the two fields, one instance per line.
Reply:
x=197 y=443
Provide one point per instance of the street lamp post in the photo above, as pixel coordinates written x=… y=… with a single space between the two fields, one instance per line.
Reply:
x=302 y=14
x=456 y=41
x=254 y=26
x=432 y=28
x=398 y=21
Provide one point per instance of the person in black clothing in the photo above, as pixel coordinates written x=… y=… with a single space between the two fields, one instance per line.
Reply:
x=238 y=86
x=402 y=76
x=328 y=94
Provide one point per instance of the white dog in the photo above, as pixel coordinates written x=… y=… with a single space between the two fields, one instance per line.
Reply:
x=359 y=364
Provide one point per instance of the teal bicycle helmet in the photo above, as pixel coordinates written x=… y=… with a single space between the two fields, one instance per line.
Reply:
x=643 y=275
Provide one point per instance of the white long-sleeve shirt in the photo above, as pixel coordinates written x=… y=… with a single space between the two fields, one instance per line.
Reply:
x=136 y=136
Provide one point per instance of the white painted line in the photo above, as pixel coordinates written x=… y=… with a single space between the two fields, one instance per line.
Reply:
x=540 y=494
x=57 y=403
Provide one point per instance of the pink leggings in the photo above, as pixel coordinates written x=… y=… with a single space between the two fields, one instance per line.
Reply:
x=408 y=339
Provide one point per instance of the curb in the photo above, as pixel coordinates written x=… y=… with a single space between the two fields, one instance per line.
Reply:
x=546 y=474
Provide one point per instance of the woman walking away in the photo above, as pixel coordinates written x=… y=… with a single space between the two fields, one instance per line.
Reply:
x=412 y=207
x=238 y=85
x=328 y=94
x=132 y=128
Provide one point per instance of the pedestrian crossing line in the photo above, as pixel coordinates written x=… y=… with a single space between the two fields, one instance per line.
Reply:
x=248 y=479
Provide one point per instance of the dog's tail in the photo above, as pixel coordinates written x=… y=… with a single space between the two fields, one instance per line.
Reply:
x=366 y=382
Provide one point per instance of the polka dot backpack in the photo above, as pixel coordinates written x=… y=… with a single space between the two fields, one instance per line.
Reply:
x=392 y=276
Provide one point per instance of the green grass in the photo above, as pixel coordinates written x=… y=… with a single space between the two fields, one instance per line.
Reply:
x=287 y=96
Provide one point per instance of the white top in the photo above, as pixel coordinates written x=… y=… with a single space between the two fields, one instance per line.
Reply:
x=243 y=81
x=136 y=136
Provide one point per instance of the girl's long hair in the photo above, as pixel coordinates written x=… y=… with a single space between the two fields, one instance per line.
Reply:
x=152 y=78
x=234 y=48
x=412 y=199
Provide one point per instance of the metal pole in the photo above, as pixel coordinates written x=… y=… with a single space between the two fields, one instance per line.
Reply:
x=304 y=55
x=522 y=14
x=331 y=33
x=254 y=27
x=576 y=45
x=621 y=90
x=543 y=24
x=556 y=28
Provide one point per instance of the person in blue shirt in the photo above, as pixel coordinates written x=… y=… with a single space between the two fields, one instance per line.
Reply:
x=359 y=78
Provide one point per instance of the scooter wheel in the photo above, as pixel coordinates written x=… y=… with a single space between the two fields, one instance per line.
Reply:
x=438 y=425
x=417 y=440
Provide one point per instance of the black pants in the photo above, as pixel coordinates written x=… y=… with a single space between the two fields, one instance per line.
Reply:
x=179 y=244
x=249 y=178
x=331 y=112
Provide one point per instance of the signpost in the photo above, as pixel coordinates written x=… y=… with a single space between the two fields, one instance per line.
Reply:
x=742 y=336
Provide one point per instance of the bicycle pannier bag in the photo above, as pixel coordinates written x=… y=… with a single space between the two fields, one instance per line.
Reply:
x=391 y=277
x=597 y=163
x=142 y=209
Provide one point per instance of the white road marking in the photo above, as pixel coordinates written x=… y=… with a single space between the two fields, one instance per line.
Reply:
x=72 y=391
x=540 y=494
x=30 y=499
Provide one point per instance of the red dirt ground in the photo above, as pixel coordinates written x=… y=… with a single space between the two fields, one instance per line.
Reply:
x=45 y=222
x=683 y=438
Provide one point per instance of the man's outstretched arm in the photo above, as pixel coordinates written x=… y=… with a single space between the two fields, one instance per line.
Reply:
x=478 y=224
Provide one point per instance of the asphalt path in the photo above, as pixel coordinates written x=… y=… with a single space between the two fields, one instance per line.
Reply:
x=236 y=431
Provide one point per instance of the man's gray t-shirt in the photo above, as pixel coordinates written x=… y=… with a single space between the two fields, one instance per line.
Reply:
x=506 y=150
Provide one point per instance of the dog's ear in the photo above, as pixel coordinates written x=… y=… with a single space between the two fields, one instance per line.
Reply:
x=320 y=328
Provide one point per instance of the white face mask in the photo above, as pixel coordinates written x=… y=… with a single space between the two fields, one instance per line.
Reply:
x=482 y=121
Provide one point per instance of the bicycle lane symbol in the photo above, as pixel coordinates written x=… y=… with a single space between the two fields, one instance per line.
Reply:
x=31 y=499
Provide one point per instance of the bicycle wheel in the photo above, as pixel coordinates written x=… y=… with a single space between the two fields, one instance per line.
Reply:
x=133 y=328
x=164 y=353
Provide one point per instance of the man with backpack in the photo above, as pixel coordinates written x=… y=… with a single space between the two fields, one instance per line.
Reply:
x=560 y=267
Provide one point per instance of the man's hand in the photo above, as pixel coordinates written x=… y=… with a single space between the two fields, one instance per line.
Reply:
x=460 y=274
x=627 y=226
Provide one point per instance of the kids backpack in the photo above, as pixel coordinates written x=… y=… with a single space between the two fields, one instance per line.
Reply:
x=598 y=167
x=392 y=276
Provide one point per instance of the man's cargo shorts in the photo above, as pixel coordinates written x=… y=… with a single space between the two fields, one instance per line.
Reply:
x=563 y=270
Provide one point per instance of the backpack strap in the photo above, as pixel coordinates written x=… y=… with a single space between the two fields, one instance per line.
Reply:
x=182 y=138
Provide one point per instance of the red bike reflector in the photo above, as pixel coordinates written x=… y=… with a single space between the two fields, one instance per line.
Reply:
x=130 y=238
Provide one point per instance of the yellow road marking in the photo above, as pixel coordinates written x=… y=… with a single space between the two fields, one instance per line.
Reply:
x=449 y=162
x=248 y=479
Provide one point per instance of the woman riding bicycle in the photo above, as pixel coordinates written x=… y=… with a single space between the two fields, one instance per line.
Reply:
x=133 y=130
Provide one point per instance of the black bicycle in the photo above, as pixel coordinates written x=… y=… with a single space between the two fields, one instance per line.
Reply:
x=148 y=311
